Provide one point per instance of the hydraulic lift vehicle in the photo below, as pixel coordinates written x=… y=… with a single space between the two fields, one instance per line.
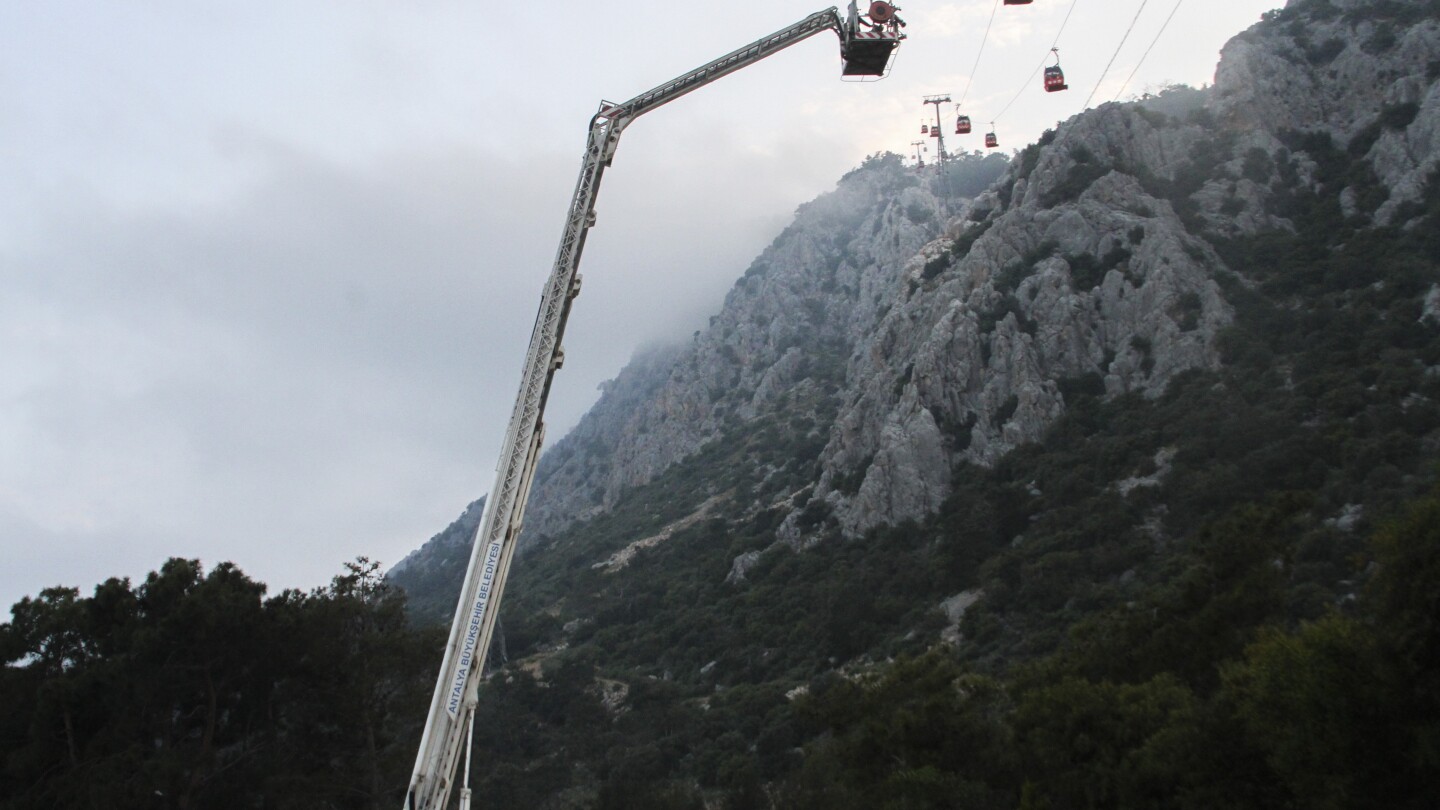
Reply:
x=867 y=46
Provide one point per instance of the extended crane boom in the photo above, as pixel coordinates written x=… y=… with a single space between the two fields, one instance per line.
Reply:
x=867 y=46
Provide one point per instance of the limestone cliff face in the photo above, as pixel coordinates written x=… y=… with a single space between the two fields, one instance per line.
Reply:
x=1108 y=286
x=1361 y=70
x=579 y=476
x=800 y=308
x=936 y=328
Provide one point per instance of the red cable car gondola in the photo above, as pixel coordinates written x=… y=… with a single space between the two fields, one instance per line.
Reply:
x=962 y=125
x=935 y=131
x=1055 y=80
x=924 y=129
x=990 y=140
x=1054 y=76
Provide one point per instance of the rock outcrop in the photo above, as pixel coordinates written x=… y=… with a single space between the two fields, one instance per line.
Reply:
x=1069 y=274
x=786 y=326
x=1361 y=70
x=1108 y=286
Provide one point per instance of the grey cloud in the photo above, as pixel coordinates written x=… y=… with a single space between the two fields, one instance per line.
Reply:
x=322 y=366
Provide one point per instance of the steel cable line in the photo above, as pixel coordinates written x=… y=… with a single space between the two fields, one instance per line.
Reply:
x=1038 y=67
x=1147 y=50
x=978 y=54
x=1086 y=105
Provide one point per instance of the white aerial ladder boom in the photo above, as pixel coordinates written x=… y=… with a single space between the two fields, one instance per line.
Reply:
x=867 y=45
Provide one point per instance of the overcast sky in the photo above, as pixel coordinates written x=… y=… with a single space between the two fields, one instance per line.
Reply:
x=269 y=268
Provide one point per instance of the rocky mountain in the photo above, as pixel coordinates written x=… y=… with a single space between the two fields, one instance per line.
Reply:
x=806 y=303
x=956 y=342
x=957 y=319
x=779 y=339
x=1099 y=443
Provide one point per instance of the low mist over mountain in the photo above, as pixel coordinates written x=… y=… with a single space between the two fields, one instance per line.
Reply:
x=1110 y=423
x=777 y=349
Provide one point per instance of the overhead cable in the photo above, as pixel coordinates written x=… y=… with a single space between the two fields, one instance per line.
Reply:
x=1147 y=50
x=1086 y=105
x=1043 y=60
x=978 y=54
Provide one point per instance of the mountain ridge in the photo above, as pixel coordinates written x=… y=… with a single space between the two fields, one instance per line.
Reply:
x=1084 y=258
x=1140 y=441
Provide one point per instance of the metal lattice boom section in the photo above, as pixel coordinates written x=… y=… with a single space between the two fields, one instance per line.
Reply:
x=452 y=708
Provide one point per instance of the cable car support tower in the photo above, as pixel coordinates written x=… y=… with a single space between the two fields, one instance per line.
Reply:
x=867 y=47
x=935 y=131
x=919 y=147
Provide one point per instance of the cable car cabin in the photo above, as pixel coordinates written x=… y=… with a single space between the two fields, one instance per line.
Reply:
x=1055 y=79
x=924 y=129
x=935 y=131
x=962 y=125
x=991 y=141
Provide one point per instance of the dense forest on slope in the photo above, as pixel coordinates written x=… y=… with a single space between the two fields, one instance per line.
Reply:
x=192 y=690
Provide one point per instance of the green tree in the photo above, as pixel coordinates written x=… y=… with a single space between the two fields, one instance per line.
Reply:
x=1315 y=707
x=191 y=691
